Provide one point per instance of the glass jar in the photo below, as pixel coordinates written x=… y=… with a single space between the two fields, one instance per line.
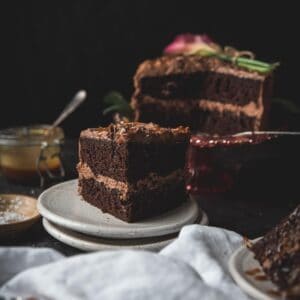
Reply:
x=31 y=153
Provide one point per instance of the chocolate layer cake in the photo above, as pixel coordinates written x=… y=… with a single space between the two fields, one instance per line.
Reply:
x=278 y=252
x=132 y=170
x=203 y=93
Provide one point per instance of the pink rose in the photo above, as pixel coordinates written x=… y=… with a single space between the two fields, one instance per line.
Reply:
x=191 y=43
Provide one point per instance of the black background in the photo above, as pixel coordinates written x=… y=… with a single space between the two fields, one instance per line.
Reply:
x=52 y=49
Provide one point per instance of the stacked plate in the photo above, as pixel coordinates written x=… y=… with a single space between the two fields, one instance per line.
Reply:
x=78 y=224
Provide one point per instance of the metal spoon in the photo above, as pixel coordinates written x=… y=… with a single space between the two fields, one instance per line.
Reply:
x=277 y=133
x=71 y=106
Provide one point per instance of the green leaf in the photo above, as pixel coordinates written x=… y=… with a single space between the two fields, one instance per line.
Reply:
x=115 y=102
x=114 y=97
x=112 y=108
x=287 y=104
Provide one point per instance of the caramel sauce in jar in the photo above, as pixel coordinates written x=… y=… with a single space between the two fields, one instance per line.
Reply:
x=28 y=154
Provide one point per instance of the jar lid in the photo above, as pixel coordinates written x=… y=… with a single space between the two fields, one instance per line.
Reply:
x=30 y=135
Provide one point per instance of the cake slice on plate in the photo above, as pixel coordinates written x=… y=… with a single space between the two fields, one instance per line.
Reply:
x=132 y=170
x=278 y=252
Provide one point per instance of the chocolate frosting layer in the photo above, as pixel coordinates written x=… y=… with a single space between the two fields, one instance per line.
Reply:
x=251 y=109
x=177 y=64
x=136 y=131
x=152 y=181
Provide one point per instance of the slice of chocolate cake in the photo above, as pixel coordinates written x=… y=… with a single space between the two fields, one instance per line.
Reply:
x=278 y=252
x=132 y=170
x=204 y=93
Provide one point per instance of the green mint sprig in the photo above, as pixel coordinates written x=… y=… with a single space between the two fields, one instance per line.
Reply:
x=244 y=62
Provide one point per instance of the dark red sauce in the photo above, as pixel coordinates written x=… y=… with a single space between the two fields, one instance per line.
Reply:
x=213 y=161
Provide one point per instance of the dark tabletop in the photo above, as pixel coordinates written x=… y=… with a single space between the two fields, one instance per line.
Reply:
x=36 y=236
x=250 y=218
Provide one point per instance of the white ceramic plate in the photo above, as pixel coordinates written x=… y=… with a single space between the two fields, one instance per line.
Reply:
x=62 y=205
x=90 y=243
x=241 y=263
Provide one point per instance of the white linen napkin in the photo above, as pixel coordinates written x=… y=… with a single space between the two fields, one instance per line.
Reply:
x=194 y=266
